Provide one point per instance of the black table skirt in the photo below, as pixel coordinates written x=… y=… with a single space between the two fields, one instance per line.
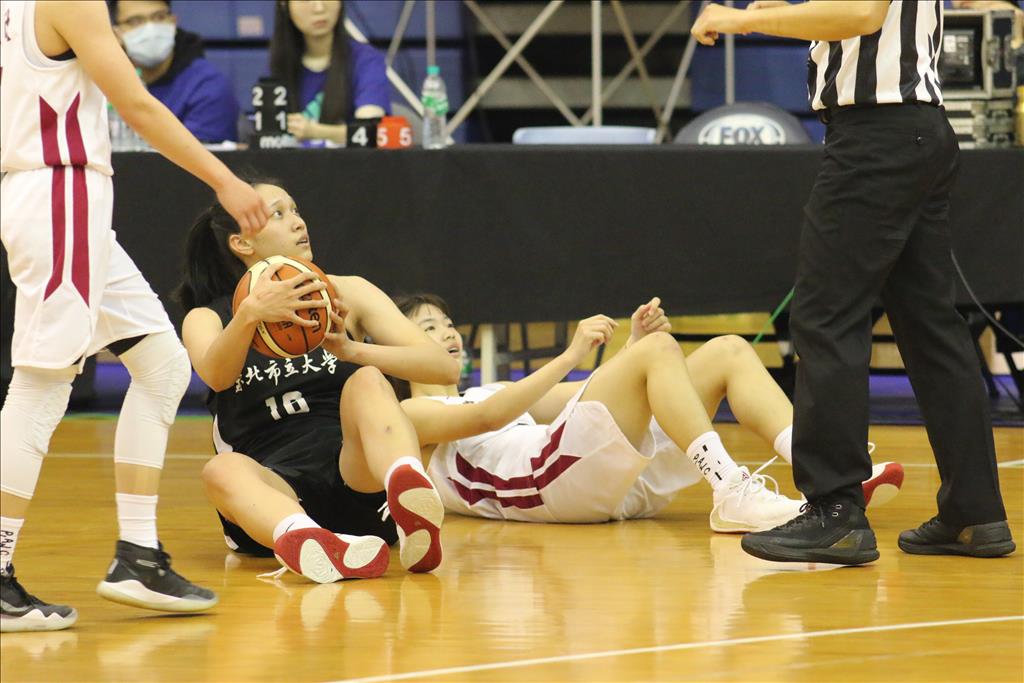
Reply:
x=548 y=233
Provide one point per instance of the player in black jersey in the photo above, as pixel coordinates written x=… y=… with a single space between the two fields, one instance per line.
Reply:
x=289 y=474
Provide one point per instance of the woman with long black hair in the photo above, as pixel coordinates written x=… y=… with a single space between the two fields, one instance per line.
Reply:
x=330 y=78
x=290 y=473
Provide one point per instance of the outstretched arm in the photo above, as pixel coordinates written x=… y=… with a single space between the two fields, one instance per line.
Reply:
x=85 y=27
x=831 y=20
x=439 y=423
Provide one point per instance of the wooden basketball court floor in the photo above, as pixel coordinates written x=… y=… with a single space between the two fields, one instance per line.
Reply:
x=662 y=599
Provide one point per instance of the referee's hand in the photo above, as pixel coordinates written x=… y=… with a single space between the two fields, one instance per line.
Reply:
x=714 y=20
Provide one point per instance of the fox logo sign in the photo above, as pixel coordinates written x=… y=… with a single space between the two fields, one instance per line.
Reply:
x=742 y=129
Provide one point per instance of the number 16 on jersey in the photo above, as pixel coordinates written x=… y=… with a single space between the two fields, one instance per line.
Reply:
x=292 y=401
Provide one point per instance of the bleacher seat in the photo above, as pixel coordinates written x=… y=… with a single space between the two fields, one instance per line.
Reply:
x=584 y=135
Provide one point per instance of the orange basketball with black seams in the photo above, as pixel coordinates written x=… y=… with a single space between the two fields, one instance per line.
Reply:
x=287 y=339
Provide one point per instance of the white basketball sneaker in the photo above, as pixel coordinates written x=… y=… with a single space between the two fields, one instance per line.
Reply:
x=746 y=504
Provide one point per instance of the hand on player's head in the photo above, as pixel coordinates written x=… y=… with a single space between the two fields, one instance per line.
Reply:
x=246 y=206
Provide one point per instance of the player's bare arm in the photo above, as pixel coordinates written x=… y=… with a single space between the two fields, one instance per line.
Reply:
x=85 y=28
x=400 y=348
x=438 y=423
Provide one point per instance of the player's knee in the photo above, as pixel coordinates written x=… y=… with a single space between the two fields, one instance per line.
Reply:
x=220 y=471
x=35 y=403
x=160 y=369
x=368 y=379
x=731 y=346
x=41 y=397
x=660 y=343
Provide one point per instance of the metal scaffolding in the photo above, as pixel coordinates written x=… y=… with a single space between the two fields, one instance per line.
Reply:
x=601 y=92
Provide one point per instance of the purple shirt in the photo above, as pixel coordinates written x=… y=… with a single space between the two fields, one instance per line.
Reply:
x=201 y=97
x=368 y=82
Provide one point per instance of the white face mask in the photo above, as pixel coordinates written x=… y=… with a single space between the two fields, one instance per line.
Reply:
x=149 y=44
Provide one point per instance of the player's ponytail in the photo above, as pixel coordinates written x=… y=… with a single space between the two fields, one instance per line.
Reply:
x=211 y=270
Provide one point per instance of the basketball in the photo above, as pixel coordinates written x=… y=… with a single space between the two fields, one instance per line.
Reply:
x=286 y=339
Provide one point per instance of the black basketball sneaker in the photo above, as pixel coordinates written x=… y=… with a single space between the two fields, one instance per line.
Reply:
x=22 y=611
x=977 y=540
x=142 y=577
x=833 y=531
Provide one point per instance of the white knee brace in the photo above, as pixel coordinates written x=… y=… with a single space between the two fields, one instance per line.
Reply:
x=160 y=372
x=36 y=401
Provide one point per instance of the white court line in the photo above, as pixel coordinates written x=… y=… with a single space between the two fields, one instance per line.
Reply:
x=672 y=648
x=110 y=456
x=202 y=456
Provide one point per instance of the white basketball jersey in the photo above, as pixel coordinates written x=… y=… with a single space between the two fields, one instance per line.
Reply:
x=51 y=112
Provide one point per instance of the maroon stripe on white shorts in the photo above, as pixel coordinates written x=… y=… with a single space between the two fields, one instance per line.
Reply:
x=51 y=157
x=498 y=488
x=80 y=220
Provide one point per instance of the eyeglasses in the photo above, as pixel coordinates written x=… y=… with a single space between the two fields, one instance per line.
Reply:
x=159 y=17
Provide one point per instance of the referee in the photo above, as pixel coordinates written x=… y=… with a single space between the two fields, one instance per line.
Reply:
x=876 y=224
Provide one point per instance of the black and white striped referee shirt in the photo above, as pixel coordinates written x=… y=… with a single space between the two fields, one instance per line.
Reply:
x=897 y=63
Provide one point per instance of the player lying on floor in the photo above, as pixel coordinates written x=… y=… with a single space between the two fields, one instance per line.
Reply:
x=618 y=445
x=290 y=472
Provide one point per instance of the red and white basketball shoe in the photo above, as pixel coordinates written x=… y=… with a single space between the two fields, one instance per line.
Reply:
x=884 y=483
x=324 y=557
x=418 y=512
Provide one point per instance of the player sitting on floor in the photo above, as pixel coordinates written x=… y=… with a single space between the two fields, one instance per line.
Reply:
x=619 y=445
x=288 y=474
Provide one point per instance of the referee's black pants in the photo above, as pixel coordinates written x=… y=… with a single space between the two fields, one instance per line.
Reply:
x=877 y=223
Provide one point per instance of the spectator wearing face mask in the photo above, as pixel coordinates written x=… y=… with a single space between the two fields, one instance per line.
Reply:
x=171 y=64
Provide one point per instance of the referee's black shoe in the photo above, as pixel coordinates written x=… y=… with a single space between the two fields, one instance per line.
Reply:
x=977 y=540
x=828 y=530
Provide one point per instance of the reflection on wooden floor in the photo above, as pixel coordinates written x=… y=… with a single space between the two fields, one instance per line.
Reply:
x=663 y=599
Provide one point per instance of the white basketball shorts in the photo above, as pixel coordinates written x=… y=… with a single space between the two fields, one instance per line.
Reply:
x=580 y=469
x=77 y=288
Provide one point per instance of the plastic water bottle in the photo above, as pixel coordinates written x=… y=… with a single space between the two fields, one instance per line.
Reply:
x=118 y=128
x=435 y=109
x=123 y=137
x=466 y=376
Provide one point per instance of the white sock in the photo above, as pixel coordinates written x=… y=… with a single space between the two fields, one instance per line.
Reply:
x=711 y=458
x=136 y=519
x=9 y=530
x=299 y=520
x=410 y=460
x=784 y=444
